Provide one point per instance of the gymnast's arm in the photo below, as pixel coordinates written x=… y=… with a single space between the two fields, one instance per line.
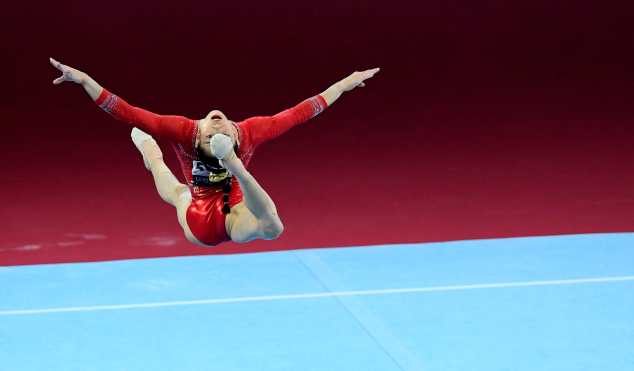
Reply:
x=263 y=129
x=175 y=128
x=333 y=93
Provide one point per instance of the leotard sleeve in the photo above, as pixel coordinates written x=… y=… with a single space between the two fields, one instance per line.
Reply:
x=175 y=128
x=264 y=128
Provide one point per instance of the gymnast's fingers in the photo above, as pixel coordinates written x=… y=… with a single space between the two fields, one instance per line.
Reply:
x=56 y=64
x=59 y=80
x=369 y=73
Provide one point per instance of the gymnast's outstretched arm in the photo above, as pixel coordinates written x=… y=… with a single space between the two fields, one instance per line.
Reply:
x=175 y=128
x=264 y=128
x=333 y=93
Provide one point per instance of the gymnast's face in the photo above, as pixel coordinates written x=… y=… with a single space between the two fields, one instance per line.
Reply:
x=214 y=123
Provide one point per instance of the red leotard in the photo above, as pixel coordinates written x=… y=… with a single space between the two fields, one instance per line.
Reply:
x=204 y=215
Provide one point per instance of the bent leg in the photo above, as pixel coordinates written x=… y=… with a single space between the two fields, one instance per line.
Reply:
x=243 y=226
x=169 y=188
x=258 y=218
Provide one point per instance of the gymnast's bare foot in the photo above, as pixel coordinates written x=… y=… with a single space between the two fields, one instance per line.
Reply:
x=147 y=146
x=222 y=148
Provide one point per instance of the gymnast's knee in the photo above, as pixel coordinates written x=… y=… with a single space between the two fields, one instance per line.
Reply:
x=272 y=229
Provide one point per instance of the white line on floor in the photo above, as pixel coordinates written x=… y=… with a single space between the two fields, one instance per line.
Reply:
x=245 y=299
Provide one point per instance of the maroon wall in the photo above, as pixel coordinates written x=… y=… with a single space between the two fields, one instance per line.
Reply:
x=488 y=119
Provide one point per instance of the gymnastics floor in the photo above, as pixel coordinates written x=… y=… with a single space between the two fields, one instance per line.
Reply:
x=535 y=303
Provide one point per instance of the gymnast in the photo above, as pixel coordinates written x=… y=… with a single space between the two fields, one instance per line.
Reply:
x=222 y=201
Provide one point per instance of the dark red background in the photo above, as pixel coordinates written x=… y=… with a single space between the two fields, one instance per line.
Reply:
x=488 y=119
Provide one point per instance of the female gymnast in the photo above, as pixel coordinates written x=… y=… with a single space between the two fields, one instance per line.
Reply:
x=222 y=201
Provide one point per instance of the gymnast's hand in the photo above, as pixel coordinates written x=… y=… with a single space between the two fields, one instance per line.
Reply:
x=92 y=88
x=68 y=73
x=357 y=79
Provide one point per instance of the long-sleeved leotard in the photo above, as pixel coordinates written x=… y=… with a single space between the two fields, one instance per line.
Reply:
x=204 y=215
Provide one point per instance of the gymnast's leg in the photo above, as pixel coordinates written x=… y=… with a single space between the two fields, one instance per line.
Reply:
x=169 y=188
x=255 y=217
